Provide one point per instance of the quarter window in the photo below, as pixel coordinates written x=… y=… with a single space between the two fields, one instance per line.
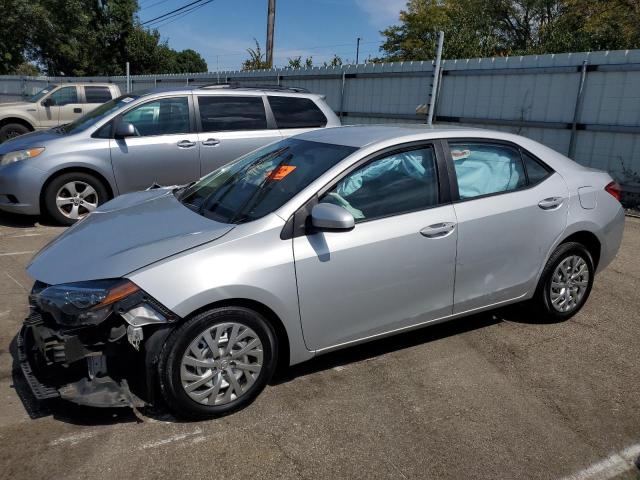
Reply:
x=223 y=113
x=97 y=94
x=166 y=116
x=535 y=170
x=295 y=112
x=64 y=96
x=485 y=169
x=399 y=183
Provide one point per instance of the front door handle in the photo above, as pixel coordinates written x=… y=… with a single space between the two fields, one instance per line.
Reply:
x=438 y=230
x=210 y=142
x=77 y=110
x=186 y=144
x=550 y=203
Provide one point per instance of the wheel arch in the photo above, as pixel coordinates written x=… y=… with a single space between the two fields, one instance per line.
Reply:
x=590 y=241
x=274 y=320
x=89 y=171
x=19 y=120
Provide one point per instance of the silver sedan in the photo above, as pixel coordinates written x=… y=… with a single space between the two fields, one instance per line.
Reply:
x=311 y=244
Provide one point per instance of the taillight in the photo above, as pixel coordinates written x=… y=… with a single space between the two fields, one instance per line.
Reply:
x=614 y=190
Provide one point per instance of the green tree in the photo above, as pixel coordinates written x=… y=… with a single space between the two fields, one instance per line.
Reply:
x=18 y=19
x=256 y=60
x=336 y=61
x=479 y=28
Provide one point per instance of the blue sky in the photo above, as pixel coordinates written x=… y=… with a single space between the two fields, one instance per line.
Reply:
x=222 y=30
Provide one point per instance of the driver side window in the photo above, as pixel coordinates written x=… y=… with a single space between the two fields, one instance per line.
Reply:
x=165 y=116
x=64 y=96
x=399 y=183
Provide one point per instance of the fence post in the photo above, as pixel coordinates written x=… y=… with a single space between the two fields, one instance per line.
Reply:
x=577 y=110
x=342 y=87
x=436 y=75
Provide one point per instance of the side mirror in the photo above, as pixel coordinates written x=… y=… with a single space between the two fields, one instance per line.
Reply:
x=124 y=130
x=327 y=216
x=48 y=102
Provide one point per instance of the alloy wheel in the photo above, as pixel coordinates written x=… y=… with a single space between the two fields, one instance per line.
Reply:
x=76 y=199
x=221 y=364
x=569 y=283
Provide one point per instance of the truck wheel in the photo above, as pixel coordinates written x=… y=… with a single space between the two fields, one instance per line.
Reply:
x=12 y=130
x=72 y=196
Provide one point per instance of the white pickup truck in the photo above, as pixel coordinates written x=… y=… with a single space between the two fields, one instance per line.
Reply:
x=53 y=106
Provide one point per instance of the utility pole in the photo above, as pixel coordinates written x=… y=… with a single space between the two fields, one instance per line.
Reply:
x=358 y=49
x=436 y=77
x=271 y=18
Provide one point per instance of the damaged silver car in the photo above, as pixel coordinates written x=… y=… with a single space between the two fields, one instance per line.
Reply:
x=193 y=295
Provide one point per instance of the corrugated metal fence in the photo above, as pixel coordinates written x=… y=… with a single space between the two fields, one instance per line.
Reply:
x=587 y=104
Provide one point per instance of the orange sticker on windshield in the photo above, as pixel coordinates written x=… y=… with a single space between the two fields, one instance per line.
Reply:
x=280 y=172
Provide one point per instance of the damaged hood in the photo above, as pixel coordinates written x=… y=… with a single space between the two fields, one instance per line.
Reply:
x=123 y=235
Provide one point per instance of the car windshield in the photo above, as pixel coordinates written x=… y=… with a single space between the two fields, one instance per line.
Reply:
x=97 y=114
x=41 y=93
x=262 y=181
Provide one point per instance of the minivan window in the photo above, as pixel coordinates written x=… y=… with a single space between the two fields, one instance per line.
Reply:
x=485 y=168
x=262 y=181
x=65 y=96
x=97 y=94
x=165 y=116
x=296 y=112
x=221 y=113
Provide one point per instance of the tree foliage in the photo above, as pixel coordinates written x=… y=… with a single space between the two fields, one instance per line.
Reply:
x=480 y=28
x=85 y=37
x=256 y=60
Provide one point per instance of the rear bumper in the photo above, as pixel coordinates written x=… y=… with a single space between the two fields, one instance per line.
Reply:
x=20 y=187
x=611 y=239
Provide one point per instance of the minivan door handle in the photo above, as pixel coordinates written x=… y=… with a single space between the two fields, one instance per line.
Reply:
x=186 y=144
x=438 y=230
x=210 y=142
x=550 y=203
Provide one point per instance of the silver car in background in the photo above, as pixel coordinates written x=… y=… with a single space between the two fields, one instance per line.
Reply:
x=311 y=244
x=168 y=137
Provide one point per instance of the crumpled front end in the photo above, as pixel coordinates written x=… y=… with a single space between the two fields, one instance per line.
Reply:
x=96 y=353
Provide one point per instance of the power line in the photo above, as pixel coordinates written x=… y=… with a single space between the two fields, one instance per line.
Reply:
x=172 y=12
x=178 y=16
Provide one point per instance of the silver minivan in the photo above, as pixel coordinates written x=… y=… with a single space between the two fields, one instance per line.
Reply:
x=167 y=137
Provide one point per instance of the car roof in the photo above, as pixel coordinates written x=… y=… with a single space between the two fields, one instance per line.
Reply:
x=231 y=89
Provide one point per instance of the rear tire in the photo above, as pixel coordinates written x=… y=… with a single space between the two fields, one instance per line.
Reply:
x=12 y=130
x=72 y=196
x=197 y=383
x=565 y=283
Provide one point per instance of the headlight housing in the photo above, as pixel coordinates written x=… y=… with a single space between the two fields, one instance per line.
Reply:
x=19 y=155
x=83 y=303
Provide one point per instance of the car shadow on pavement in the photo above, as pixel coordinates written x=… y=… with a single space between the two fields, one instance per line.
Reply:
x=80 y=415
x=23 y=221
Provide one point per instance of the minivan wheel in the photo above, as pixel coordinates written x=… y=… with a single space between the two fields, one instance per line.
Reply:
x=565 y=283
x=12 y=130
x=72 y=196
x=217 y=362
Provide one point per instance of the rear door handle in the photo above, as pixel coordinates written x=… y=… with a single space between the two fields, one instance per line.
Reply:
x=186 y=144
x=210 y=142
x=438 y=230
x=550 y=203
x=77 y=110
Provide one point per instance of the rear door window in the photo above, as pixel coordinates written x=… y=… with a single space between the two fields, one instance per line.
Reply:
x=296 y=112
x=535 y=170
x=219 y=113
x=97 y=94
x=486 y=168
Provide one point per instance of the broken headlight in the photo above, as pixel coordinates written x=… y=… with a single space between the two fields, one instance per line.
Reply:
x=83 y=303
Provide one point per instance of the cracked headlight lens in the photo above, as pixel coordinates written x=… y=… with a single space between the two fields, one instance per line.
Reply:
x=83 y=303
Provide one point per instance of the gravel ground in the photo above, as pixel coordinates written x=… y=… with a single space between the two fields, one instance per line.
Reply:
x=489 y=396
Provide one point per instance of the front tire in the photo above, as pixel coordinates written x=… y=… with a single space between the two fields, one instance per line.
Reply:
x=12 y=130
x=72 y=196
x=565 y=283
x=217 y=362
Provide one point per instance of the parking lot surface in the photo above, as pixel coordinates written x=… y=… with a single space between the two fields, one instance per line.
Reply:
x=490 y=396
